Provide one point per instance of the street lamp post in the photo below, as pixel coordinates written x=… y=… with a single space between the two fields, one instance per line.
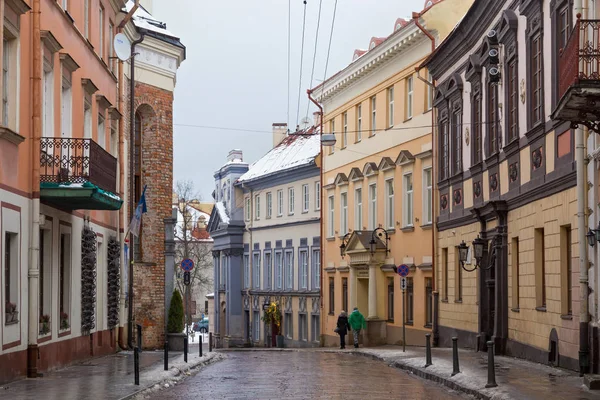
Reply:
x=463 y=253
x=379 y=233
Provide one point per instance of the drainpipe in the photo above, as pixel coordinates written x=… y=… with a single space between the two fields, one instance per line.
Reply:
x=34 y=235
x=436 y=333
x=131 y=177
x=321 y=225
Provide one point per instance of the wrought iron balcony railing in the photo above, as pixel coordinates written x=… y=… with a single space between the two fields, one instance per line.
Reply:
x=76 y=161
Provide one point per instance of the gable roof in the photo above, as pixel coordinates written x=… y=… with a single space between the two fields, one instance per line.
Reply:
x=370 y=169
x=355 y=174
x=405 y=157
x=341 y=179
x=386 y=163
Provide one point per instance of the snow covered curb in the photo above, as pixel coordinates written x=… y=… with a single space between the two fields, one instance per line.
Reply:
x=157 y=378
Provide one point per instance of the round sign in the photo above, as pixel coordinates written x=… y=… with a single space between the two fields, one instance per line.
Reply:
x=122 y=47
x=187 y=265
x=403 y=270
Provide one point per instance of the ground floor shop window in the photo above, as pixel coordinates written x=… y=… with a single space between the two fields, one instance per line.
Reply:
x=303 y=326
x=316 y=328
x=288 y=325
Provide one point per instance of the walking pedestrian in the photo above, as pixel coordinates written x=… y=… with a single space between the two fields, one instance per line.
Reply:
x=357 y=322
x=342 y=328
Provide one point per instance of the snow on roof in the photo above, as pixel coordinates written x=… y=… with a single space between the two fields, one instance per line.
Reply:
x=144 y=20
x=296 y=150
x=196 y=216
x=222 y=212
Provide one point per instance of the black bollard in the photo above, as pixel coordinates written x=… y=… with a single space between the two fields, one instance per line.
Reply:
x=491 y=367
x=166 y=356
x=139 y=337
x=210 y=343
x=455 y=368
x=136 y=365
x=478 y=344
x=427 y=350
x=200 y=344
x=185 y=349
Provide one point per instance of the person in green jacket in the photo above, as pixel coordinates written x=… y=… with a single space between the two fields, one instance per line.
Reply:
x=357 y=322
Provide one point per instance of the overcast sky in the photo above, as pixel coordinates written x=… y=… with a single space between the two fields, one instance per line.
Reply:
x=235 y=75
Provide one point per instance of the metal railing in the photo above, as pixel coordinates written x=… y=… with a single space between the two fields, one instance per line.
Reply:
x=76 y=161
x=579 y=61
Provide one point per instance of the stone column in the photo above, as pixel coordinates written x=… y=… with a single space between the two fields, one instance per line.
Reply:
x=373 y=291
x=352 y=290
x=217 y=299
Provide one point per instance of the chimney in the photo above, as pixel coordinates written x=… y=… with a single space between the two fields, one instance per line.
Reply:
x=317 y=118
x=279 y=133
x=235 y=156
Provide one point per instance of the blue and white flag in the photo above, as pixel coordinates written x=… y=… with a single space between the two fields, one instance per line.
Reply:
x=136 y=221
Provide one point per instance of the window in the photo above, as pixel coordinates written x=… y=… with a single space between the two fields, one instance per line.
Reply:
x=358 y=210
x=410 y=301
x=291 y=200
x=302 y=327
x=303 y=265
x=389 y=204
x=111 y=38
x=540 y=269
x=289 y=269
x=513 y=101
x=87 y=120
x=279 y=270
x=427 y=196
x=345 y=294
x=566 y=271
x=5 y=80
x=48 y=112
x=457 y=142
x=331 y=230
x=390 y=93
x=409 y=97
x=289 y=333
x=428 y=302
x=64 y=288
x=317 y=195
x=268 y=276
x=269 y=204
x=332 y=126
x=257 y=206
x=11 y=260
x=373 y=115
x=514 y=249
x=536 y=102
x=256 y=270
x=492 y=120
x=101 y=132
x=101 y=32
x=345 y=131
x=305 y=198
x=390 y=300
x=66 y=109
x=408 y=200
x=331 y=296
x=476 y=104
x=373 y=206
x=429 y=103
x=561 y=14
x=444 y=153
x=86 y=19
x=279 y=203
x=248 y=209
x=359 y=122
x=343 y=213
x=316 y=265
x=256 y=328
x=45 y=284
x=445 y=274
x=458 y=281
x=315 y=328
x=246 y=271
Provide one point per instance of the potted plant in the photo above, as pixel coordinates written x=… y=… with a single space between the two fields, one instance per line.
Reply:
x=272 y=316
x=175 y=323
x=64 y=321
x=11 y=312
x=44 y=324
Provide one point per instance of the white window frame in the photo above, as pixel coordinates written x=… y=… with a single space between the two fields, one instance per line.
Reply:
x=373 y=206
x=358 y=209
x=373 y=115
x=359 y=122
x=248 y=209
x=317 y=196
x=345 y=130
x=246 y=270
x=408 y=209
x=257 y=206
x=256 y=270
x=343 y=213
x=111 y=38
x=291 y=201
x=256 y=327
x=48 y=88
x=305 y=198
x=280 y=202
x=389 y=204
x=288 y=268
x=303 y=268
x=390 y=95
x=269 y=204
x=316 y=267
x=65 y=4
x=87 y=119
x=331 y=219
x=278 y=269
x=332 y=128
x=101 y=131
x=410 y=87
x=427 y=195
x=86 y=19
x=268 y=270
x=66 y=108
x=101 y=32
x=429 y=94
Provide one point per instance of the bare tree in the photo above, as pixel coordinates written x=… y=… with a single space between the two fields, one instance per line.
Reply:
x=187 y=245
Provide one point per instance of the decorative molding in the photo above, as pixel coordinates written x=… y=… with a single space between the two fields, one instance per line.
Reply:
x=114 y=113
x=88 y=86
x=386 y=164
x=341 y=179
x=355 y=175
x=103 y=102
x=156 y=59
x=68 y=62
x=50 y=41
x=10 y=136
x=405 y=158
x=513 y=171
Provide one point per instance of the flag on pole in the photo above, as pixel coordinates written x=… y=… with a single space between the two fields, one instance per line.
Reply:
x=136 y=221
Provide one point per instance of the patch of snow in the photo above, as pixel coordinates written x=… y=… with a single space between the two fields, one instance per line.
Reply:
x=222 y=212
x=143 y=19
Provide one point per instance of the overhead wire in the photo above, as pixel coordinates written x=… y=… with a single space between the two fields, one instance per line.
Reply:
x=312 y=73
x=289 y=59
x=329 y=47
x=301 y=63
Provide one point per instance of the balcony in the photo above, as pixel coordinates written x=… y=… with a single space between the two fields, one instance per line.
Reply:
x=77 y=174
x=579 y=76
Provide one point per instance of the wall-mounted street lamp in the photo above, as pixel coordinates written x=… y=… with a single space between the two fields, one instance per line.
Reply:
x=593 y=236
x=463 y=253
x=380 y=233
x=344 y=244
x=328 y=139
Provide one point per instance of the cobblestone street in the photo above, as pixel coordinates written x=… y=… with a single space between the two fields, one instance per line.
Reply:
x=303 y=375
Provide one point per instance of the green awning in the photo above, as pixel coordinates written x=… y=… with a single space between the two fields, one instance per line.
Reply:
x=77 y=196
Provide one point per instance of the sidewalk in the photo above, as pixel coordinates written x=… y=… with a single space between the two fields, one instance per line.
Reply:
x=516 y=379
x=110 y=377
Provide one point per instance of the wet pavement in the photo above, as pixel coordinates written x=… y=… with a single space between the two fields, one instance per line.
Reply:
x=303 y=375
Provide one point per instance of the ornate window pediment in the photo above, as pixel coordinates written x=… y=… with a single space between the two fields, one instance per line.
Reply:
x=386 y=164
x=355 y=174
x=404 y=158
x=473 y=73
x=341 y=179
x=370 y=169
